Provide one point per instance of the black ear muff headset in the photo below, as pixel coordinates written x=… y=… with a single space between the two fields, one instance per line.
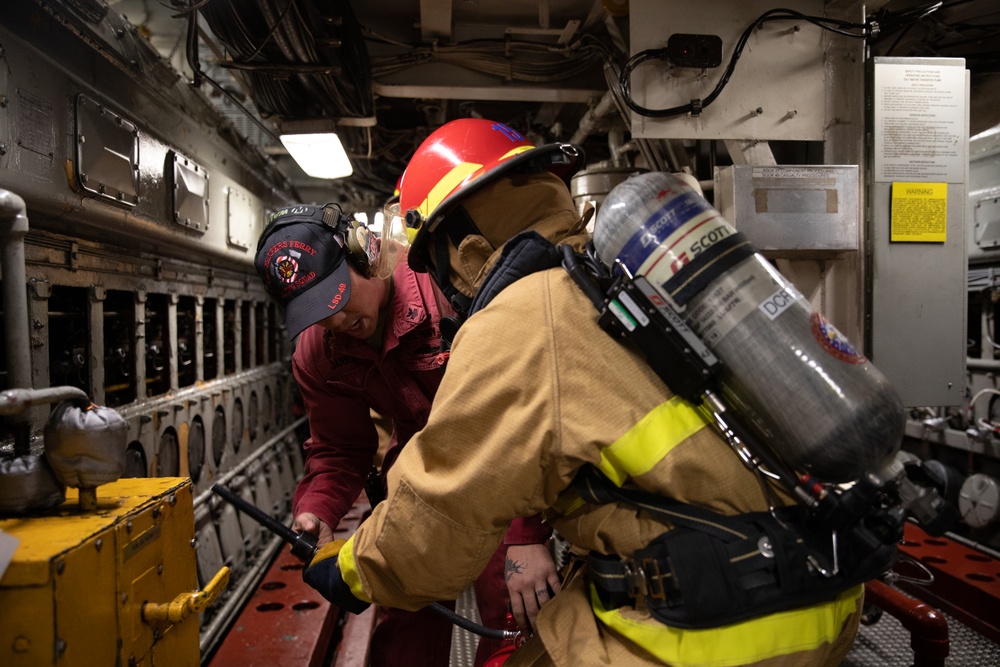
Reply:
x=362 y=245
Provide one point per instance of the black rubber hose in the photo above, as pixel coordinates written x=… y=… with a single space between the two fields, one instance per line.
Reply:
x=463 y=622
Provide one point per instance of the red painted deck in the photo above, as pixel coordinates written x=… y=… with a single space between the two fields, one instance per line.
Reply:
x=966 y=582
x=286 y=622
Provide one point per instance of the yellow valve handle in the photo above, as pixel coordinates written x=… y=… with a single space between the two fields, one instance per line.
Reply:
x=186 y=603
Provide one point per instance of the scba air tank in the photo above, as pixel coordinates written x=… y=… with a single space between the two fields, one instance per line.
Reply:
x=818 y=402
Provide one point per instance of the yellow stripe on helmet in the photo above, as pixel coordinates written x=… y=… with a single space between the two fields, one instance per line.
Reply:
x=514 y=151
x=458 y=174
x=446 y=185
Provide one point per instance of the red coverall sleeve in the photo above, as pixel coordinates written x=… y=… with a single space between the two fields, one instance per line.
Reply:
x=340 y=449
x=528 y=530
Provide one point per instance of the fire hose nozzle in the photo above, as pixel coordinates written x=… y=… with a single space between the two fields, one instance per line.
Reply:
x=303 y=544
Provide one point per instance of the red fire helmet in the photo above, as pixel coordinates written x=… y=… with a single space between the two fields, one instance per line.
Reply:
x=461 y=157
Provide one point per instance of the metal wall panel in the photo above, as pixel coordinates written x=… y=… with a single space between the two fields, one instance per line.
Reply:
x=984 y=197
x=918 y=304
x=91 y=146
x=777 y=91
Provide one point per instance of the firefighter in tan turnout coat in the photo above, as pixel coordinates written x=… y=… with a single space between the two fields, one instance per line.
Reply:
x=535 y=391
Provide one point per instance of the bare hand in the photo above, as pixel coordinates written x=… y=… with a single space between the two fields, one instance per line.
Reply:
x=307 y=522
x=531 y=582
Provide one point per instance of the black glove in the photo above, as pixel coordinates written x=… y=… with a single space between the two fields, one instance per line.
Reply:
x=323 y=574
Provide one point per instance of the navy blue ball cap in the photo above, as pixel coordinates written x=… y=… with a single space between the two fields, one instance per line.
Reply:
x=300 y=258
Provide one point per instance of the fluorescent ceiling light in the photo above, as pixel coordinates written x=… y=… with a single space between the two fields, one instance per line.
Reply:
x=319 y=155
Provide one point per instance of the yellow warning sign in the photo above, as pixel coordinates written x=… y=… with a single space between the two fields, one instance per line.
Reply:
x=919 y=212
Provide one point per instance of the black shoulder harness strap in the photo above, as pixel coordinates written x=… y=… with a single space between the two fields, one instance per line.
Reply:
x=524 y=254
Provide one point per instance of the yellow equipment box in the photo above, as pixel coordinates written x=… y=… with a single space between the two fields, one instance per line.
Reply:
x=81 y=583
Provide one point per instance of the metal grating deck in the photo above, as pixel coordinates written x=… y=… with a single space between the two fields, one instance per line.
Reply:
x=463 y=642
x=887 y=644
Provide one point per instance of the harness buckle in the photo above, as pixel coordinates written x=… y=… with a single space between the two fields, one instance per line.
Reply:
x=656 y=587
x=635 y=582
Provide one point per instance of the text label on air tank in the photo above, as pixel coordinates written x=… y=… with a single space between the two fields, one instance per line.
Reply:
x=777 y=303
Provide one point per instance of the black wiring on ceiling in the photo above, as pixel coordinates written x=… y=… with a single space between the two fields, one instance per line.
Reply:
x=232 y=98
x=695 y=106
x=379 y=155
x=290 y=51
x=191 y=49
x=890 y=21
x=525 y=61
x=941 y=29
x=270 y=35
x=511 y=60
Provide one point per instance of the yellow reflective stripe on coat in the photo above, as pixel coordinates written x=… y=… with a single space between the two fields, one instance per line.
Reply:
x=349 y=571
x=645 y=444
x=770 y=636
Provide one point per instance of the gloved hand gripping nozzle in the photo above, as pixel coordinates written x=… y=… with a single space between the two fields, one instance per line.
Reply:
x=326 y=578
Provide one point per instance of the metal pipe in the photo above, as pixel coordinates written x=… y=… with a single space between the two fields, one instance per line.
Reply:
x=13 y=227
x=982 y=364
x=592 y=120
x=616 y=138
x=978 y=546
x=927 y=626
x=15 y=402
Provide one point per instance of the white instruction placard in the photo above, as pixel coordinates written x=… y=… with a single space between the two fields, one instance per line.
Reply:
x=920 y=121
